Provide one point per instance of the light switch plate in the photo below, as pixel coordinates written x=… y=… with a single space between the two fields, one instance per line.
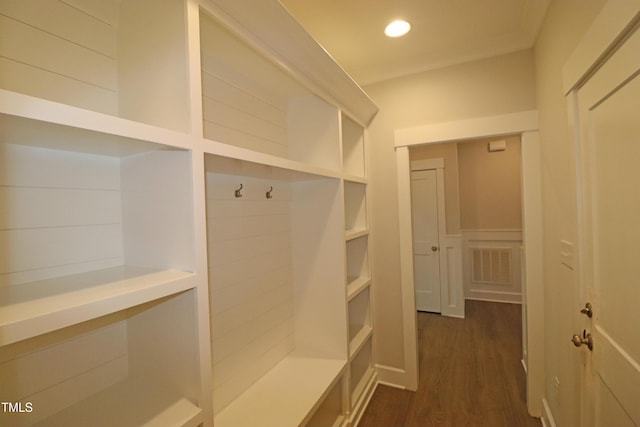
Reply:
x=566 y=253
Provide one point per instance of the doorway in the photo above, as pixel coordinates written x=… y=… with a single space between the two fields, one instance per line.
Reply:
x=525 y=124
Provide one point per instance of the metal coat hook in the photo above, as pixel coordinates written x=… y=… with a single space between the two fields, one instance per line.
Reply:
x=269 y=196
x=239 y=191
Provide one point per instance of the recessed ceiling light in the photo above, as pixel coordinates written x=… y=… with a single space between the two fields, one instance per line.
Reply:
x=397 y=28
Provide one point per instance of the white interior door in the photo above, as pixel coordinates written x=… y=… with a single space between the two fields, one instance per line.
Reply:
x=609 y=124
x=426 y=253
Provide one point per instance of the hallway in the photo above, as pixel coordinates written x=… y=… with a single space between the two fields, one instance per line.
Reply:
x=470 y=374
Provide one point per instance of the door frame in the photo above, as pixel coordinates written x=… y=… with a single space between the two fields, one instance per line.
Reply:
x=524 y=124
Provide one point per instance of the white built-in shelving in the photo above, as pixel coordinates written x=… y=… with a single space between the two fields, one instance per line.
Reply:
x=361 y=379
x=181 y=204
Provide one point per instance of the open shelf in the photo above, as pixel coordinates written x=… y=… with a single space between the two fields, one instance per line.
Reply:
x=126 y=368
x=359 y=320
x=286 y=396
x=362 y=371
x=134 y=403
x=357 y=262
x=31 y=309
x=331 y=412
x=353 y=155
x=250 y=102
x=93 y=56
x=355 y=207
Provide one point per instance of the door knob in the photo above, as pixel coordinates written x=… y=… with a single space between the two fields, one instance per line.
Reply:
x=434 y=248
x=586 y=338
x=588 y=310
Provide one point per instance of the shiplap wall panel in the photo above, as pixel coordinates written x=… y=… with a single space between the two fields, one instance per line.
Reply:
x=50 y=401
x=242 y=119
x=244 y=99
x=250 y=276
x=106 y=11
x=56 y=51
x=60 y=213
x=53 y=207
x=238 y=107
x=27 y=166
x=58 y=375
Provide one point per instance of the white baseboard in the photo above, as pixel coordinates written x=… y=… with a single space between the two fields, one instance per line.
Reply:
x=547 y=416
x=391 y=376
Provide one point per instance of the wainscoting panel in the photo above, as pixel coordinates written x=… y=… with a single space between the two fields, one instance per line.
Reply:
x=491 y=265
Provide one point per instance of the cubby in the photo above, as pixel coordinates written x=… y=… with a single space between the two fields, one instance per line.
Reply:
x=97 y=56
x=358 y=274
x=331 y=413
x=250 y=102
x=353 y=154
x=355 y=208
x=116 y=369
x=277 y=300
x=362 y=372
x=359 y=320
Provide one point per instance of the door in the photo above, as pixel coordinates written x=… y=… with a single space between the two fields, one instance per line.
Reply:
x=426 y=253
x=609 y=145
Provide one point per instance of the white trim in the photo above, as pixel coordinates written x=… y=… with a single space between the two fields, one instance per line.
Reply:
x=393 y=377
x=506 y=124
x=547 y=415
x=603 y=35
x=523 y=123
x=533 y=285
x=409 y=317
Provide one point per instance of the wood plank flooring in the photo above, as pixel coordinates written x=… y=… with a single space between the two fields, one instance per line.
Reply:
x=470 y=374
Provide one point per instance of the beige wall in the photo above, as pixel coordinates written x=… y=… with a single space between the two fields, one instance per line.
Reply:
x=564 y=25
x=495 y=86
x=490 y=185
x=482 y=189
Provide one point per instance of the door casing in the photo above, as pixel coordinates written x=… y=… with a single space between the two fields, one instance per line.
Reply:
x=526 y=125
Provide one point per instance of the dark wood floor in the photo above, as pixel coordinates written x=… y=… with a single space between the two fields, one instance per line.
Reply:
x=470 y=374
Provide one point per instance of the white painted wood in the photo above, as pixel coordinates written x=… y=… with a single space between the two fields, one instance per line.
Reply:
x=452 y=298
x=318 y=274
x=157 y=211
x=147 y=92
x=424 y=220
x=357 y=257
x=360 y=326
x=295 y=49
x=607 y=132
x=353 y=154
x=31 y=309
x=355 y=207
x=331 y=412
x=286 y=396
x=134 y=403
x=361 y=369
x=409 y=318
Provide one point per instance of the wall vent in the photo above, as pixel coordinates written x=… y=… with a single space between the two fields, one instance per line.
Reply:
x=491 y=265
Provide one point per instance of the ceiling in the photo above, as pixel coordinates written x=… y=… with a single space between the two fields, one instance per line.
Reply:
x=444 y=32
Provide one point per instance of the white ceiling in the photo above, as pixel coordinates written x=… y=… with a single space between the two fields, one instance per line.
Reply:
x=444 y=32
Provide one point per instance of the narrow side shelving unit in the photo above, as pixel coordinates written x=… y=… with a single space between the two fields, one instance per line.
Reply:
x=362 y=377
